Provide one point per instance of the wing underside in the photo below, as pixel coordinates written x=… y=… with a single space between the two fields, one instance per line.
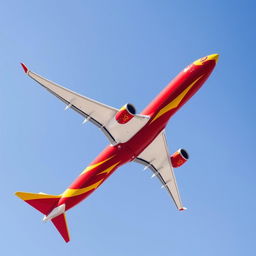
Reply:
x=99 y=114
x=157 y=158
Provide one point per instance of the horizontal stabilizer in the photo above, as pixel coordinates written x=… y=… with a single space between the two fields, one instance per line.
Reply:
x=42 y=202
x=61 y=225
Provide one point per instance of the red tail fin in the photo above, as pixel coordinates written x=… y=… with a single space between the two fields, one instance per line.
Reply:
x=60 y=223
x=42 y=202
x=45 y=204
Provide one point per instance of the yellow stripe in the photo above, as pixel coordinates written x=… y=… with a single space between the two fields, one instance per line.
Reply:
x=87 y=169
x=175 y=103
x=30 y=196
x=76 y=192
x=200 y=62
x=109 y=169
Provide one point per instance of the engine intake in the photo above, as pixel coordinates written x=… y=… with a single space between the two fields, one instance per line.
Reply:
x=125 y=113
x=179 y=157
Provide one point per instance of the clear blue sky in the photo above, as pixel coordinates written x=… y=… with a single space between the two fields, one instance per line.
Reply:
x=118 y=52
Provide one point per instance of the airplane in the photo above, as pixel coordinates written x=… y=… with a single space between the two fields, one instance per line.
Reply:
x=133 y=137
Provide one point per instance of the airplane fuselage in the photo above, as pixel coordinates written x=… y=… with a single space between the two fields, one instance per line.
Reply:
x=160 y=110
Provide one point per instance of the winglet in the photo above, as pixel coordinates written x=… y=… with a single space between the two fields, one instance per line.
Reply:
x=24 y=67
x=183 y=209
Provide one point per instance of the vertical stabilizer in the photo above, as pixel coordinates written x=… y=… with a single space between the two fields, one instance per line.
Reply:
x=61 y=225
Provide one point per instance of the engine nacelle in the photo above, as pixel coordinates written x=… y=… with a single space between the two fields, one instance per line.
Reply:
x=179 y=157
x=125 y=114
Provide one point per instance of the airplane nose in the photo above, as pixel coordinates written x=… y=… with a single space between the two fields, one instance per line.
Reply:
x=201 y=61
x=213 y=57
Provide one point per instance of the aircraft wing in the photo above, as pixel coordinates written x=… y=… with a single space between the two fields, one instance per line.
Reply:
x=157 y=158
x=99 y=114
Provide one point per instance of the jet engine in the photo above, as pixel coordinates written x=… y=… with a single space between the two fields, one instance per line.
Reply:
x=125 y=114
x=179 y=157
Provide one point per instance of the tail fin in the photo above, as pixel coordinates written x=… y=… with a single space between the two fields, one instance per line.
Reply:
x=44 y=203
x=60 y=223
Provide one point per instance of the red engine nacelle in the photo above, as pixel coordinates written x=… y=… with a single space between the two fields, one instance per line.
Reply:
x=125 y=114
x=179 y=157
